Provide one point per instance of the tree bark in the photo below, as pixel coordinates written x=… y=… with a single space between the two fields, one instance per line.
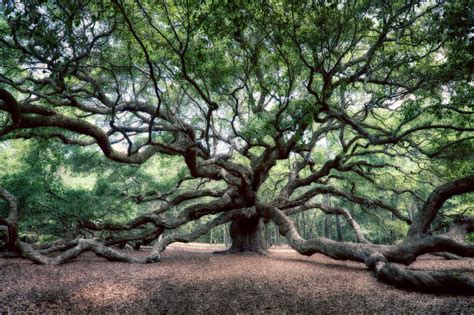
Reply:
x=247 y=235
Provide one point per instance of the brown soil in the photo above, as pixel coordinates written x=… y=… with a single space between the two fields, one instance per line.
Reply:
x=190 y=279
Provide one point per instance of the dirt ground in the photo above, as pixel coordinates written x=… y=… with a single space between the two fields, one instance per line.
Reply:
x=189 y=279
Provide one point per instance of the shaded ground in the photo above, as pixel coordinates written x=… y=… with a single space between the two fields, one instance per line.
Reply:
x=191 y=280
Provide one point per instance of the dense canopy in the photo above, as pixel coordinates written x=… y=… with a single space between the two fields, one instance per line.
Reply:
x=247 y=114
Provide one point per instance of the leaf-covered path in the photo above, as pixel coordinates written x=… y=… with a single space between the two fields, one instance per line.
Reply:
x=189 y=279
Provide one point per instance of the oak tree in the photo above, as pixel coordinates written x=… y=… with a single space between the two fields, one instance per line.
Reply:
x=358 y=102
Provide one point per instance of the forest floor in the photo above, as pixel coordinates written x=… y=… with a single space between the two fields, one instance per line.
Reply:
x=189 y=279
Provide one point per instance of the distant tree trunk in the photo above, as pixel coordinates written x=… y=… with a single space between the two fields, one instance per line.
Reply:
x=298 y=223
x=327 y=218
x=310 y=231
x=224 y=235
x=268 y=235
x=247 y=235
x=338 y=228
x=391 y=234
x=327 y=226
x=277 y=236
x=304 y=225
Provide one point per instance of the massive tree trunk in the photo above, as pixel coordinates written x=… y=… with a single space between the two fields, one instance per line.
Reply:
x=247 y=236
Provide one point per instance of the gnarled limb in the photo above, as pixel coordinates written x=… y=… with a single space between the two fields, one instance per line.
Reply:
x=337 y=250
x=407 y=251
x=377 y=257
x=81 y=246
